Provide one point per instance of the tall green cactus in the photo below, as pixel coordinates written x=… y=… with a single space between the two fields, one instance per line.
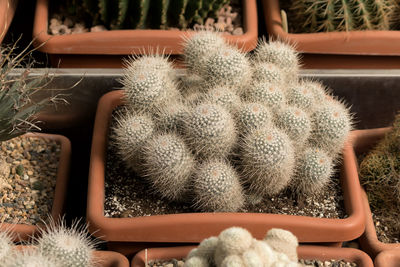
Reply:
x=342 y=15
x=126 y=14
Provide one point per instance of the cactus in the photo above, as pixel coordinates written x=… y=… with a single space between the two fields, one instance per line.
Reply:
x=320 y=92
x=232 y=261
x=68 y=246
x=205 y=250
x=130 y=134
x=196 y=262
x=210 y=131
x=197 y=48
x=295 y=123
x=283 y=241
x=171 y=117
x=228 y=67
x=267 y=161
x=6 y=245
x=225 y=97
x=349 y=15
x=331 y=127
x=30 y=258
x=154 y=62
x=216 y=187
x=300 y=96
x=252 y=259
x=253 y=116
x=268 y=72
x=168 y=164
x=267 y=254
x=271 y=95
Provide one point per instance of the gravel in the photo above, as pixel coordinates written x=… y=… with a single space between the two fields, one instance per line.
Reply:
x=27 y=195
x=387 y=227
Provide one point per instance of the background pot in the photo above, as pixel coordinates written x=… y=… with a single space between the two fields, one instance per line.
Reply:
x=180 y=227
x=364 y=140
x=304 y=252
x=24 y=231
x=7 y=10
x=388 y=258
x=105 y=49
x=354 y=49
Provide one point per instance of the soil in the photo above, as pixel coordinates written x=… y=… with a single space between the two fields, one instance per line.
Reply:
x=128 y=195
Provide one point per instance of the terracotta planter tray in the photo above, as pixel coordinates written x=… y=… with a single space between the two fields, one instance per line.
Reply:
x=7 y=10
x=304 y=252
x=388 y=258
x=180 y=227
x=374 y=47
x=124 y=42
x=364 y=140
x=24 y=231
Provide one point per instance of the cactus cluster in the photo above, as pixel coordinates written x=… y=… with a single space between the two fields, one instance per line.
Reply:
x=57 y=246
x=235 y=246
x=239 y=126
x=380 y=172
x=348 y=15
x=144 y=14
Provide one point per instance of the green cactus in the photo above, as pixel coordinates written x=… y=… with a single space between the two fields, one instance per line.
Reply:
x=168 y=165
x=347 y=15
x=176 y=12
x=217 y=187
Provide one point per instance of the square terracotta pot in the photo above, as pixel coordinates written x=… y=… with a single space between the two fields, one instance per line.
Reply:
x=354 y=49
x=364 y=140
x=388 y=258
x=22 y=232
x=7 y=10
x=105 y=49
x=194 y=227
x=304 y=252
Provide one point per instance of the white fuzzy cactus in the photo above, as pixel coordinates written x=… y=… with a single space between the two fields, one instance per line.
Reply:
x=319 y=91
x=154 y=62
x=253 y=116
x=31 y=258
x=210 y=131
x=217 y=187
x=205 y=250
x=300 y=96
x=6 y=245
x=268 y=72
x=225 y=97
x=283 y=241
x=171 y=117
x=295 y=123
x=131 y=132
x=196 y=262
x=168 y=164
x=271 y=95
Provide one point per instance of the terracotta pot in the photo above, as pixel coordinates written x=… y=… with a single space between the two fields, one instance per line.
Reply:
x=180 y=227
x=102 y=258
x=24 y=231
x=388 y=258
x=304 y=252
x=7 y=10
x=105 y=49
x=364 y=140
x=364 y=49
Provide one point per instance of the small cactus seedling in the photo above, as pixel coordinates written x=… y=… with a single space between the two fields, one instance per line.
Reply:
x=130 y=134
x=227 y=67
x=282 y=55
x=68 y=246
x=301 y=97
x=284 y=242
x=268 y=72
x=210 y=131
x=197 y=48
x=224 y=97
x=168 y=164
x=217 y=187
x=331 y=127
x=313 y=172
x=267 y=161
x=253 y=116
x=271 y=95
x=295 y=123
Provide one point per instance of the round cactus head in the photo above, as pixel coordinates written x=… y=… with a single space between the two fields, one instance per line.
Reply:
x=151 y=62
x=31 y=258
x=228 y=67
x=281 y=54
x=205 y=249
x=319 y=91
x=131 y=132
x=225 y=97
x=267 y=160
x=198 y=46
x=331 y=127
x=252 y=259
x=171 y=117
x=271 y=95
x=6 y=245
x=313 y=172
x=295 y=123
x=217 y=187
x=233 y=261
x=268 y=72
x=265 y=252
x=283 y=241
x=301 y=97
x=196 y=262
x=253 y=116
x=210 y=131
x=69 y=246
x=168 y=164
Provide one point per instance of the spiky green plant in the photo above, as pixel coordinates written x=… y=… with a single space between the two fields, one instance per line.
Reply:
x=348 y=15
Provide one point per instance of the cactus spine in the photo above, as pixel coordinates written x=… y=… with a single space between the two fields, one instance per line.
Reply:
x=271 y=95
x=253 y=116
x=295 y=123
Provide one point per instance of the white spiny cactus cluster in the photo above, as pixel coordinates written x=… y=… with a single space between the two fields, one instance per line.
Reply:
x=57 y=246
x=236 y=247
x=232 y=128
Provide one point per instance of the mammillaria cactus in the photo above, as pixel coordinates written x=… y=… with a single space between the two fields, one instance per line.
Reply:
x=295 y=123
x=205 y=249
x=300 y=96
x=268 y=72
x=253 y=116
x=267 y=161
x=217 y=187
x=168 y=164
x=225 y=97
x=271 y=95
x=171 y=117
x=30 y=258
x=328 y=16
x=210 y=131
x=151 y=62
x=6 y=245
x=283 y=241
